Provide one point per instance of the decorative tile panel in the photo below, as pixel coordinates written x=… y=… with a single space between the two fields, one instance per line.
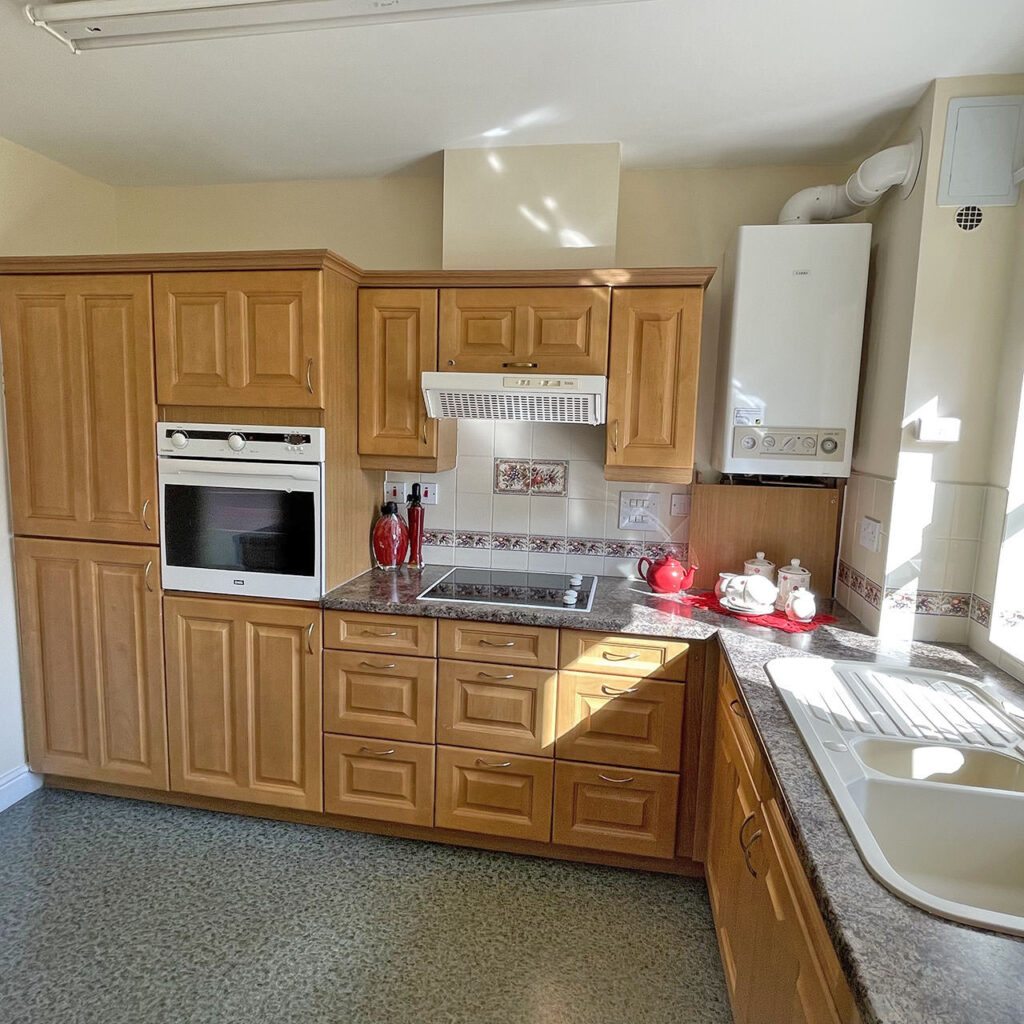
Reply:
x=531 y=476
x=981 y=611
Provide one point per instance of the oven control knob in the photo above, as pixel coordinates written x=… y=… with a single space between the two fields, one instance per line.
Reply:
x=236 y=442
x=179 y=439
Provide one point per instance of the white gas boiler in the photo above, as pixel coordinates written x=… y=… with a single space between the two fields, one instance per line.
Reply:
x=789 y=358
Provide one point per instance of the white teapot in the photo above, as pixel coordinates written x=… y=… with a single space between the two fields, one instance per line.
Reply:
x=800 y=605
x=750 y=595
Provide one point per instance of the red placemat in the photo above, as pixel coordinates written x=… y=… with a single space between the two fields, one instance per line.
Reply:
x=775 y=620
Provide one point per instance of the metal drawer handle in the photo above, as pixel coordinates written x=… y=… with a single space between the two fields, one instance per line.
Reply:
x=746 y=852
x=145 y=509
x=620 y=657
x=424 y=431
x=370 y=632
x=309 y=371
x=608 y=778
x=369 y=664
x=487 y=675
x=488 y=643
x=615 y=436
x=487 y=764
x=611 y=691
x=149 y=565
x=309 y=637
x=526 y=366
x=736 y=709
x=376 y=753
x=746 y=821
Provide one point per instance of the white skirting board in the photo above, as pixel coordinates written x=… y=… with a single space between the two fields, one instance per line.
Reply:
x=17 y=783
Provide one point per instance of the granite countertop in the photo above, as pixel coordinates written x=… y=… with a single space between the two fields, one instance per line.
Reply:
x=905 y=966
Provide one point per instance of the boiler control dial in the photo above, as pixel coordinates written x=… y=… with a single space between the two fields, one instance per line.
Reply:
x=236 y=442
x=829 y=445
x=749 y=443
x=179 y=439
x=808 y=444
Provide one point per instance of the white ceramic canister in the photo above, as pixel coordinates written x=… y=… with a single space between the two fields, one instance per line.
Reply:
x=759 y=566
x=790 y=576
x=800 y=605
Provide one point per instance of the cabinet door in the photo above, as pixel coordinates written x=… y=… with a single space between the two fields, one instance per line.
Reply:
x=92 y=660
x=652 y=383
x=612 y=720
x=380 y=634
x=397 y=343
x=605 y=808
x=583 y=651
x=531 y=646
x=550 y=330
x=495 y=793
x=248 y=338
x=81 y=412
x=496 y=707
x=244 y=701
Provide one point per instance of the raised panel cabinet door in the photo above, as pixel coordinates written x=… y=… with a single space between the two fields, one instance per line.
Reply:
x=496 y=707
x=390 y=697
x=608 y=808
x=380 y=634
x=92 y=660
x=567 y=329
x=478 y=329
x=612 y=720
x=652 y=382
x=584 y=651
x=245 y=338
x=385 y=781
x=81 y=408
x=494 y=793
x=397 y=343
x=530 y=646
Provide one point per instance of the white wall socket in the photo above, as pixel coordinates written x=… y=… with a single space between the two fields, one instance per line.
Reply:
x=638 y=510
x=399 y=490
x=870 y=533
x=428 y=492
x=394 y=490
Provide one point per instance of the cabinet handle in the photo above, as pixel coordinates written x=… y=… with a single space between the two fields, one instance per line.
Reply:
x=736 y=709
x=615 y=436
x=309 y=372
x=620 y=657
x=376 y=753
x=149 y=565
x=424 y=431
x=611 y=691
x=487 y=764
x=369 y=664
x=309 y=637
x=487 y=675
x=746 y=853
x=489 y=643
x=608 y=778
x=525 y=366
x=746 y=821
x=145 y=510
x=370 y=632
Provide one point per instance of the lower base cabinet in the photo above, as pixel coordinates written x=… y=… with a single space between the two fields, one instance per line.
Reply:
x=494 y=793
x=244 y=701
x=623 y=810
x=379 y=779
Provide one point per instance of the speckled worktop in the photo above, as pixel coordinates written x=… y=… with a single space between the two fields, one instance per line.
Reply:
x=905 y=966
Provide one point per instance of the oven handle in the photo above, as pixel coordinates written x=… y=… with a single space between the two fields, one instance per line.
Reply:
x=261 y=471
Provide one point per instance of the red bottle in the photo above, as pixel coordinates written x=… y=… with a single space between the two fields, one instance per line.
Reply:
x=389 y=539
x=415 y=514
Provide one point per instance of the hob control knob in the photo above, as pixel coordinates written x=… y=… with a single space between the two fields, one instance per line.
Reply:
x=576 y=581
x=179 y=439
x=236 y=442
x=829 y=445
x=569 y=597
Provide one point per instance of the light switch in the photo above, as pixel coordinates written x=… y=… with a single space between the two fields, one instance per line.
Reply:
x=870 y=533
x=680 y=505
x=638 y=510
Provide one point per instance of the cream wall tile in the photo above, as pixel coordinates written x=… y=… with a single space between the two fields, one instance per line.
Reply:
x=943 y=500
x=509 y=559
x=548 y=516
x=611 y=516
x=932 y=563
x=881 y=505
x=986 y=568
x=510 y=513
x=544 y=561
x=589 y=564
x=442 y=515
x=434 y=554
x=476 y=437
x=585 y=518
x=870 y=616
x=587 y=443
x=961 y=562
x=967 y=512
x=473 y=512
x=620 y=567
x=512 y=439
x=475 y=474
x=586 y=480
x=552 y=440
x=409 y=478
x=977 y=637
x=473 y=557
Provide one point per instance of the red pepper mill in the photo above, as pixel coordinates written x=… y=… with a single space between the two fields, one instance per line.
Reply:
x=389 y=539
x=415 y=515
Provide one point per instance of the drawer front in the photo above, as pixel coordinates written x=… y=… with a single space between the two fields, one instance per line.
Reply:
x=531 y=646
x=378 y=779
x=582 y=651
x=387 y=634
x=609 y=808
x=386 y=696
x=495 y=793
x=496 y=707
x=611 y=720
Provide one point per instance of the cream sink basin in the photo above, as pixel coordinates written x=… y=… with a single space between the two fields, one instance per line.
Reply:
x=927 y=770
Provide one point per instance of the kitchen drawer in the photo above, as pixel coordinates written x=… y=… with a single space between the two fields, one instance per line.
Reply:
x=387 y=634
x=379 y=779
x=495 y=793
x=387 y=696
x=583 y=651
x=609 y=808
x=532 y=646
x=497 y=707
x=611 y=720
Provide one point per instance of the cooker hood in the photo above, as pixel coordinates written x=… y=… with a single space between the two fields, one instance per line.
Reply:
x=537 y=397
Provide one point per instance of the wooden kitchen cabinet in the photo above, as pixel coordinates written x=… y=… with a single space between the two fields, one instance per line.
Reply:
x=380 y=634
x=652 y=384
x=506 y=644
x=92 y=660
x=81 y=408
x=581 y=650
x=241 y=338
x=398 y=343
x=546 y=330
x=244 y=700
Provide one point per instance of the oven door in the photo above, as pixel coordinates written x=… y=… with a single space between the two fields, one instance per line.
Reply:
x=242 y=528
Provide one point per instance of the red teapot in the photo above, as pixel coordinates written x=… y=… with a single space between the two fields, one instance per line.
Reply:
x=666 y=575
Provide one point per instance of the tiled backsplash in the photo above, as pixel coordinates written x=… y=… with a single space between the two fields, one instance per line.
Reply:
x=533 y=495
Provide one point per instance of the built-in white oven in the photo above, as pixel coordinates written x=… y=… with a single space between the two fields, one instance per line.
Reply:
x=241 y=509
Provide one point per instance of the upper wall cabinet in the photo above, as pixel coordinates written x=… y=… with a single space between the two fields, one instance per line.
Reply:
x=652 y=384
x=550 y=330
x=251 y=338
x=78 y=373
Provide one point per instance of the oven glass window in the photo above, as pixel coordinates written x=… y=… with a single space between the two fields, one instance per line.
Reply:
x=240 y=529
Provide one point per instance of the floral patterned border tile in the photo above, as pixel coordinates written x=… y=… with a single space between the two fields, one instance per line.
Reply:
x=531 y=476
x=477 y=541
x=981 y=611
x=510 y=542
x=659 y=549
x=862 y=585
x=624 y=548
x=440 y=538
x=900 y=600
x=585 y=545
x=548 y=545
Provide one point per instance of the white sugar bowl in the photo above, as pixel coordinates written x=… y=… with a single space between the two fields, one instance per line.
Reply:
x=751 y=595
x=791 y=576
x=800 y=605
x=760 y=566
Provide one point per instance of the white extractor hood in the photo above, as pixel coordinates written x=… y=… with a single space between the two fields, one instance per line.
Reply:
x=537 y=397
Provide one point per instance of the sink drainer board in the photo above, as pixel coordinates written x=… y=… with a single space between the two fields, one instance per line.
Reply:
x=927 y=770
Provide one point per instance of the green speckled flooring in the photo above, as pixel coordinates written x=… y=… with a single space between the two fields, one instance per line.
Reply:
x=118 y=912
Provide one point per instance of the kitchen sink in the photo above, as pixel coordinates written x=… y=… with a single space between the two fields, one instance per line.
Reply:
x=927 y=770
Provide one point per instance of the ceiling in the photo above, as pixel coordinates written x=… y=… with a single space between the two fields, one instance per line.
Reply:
x=677 y=82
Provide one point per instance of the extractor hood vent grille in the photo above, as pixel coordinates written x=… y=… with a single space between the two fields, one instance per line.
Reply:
x=495 y=396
